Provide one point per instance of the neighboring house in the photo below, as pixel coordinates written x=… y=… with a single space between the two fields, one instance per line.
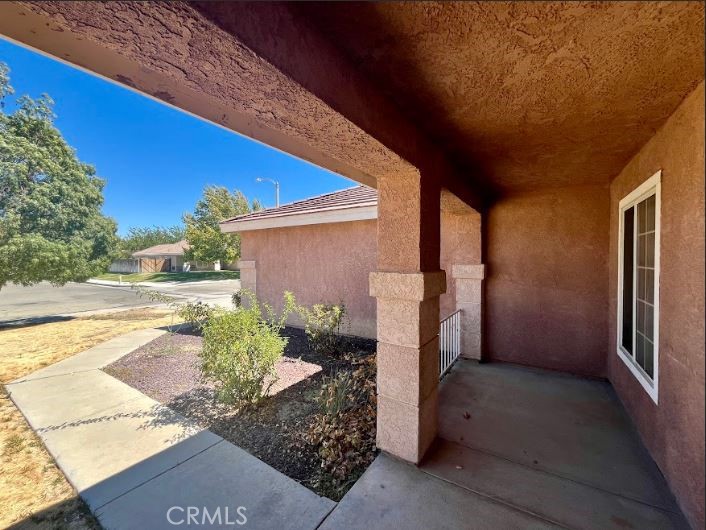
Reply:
x=322 y=249
x=574 y=130
x=168 y=257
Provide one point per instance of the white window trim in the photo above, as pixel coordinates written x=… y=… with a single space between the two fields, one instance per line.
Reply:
x=651 y=186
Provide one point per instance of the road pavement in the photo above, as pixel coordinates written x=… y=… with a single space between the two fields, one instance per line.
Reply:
x=44 y=301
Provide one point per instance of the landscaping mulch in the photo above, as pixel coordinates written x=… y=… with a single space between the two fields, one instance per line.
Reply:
x=167 y=369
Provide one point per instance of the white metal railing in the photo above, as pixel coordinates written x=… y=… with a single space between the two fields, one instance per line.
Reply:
x=449 y=341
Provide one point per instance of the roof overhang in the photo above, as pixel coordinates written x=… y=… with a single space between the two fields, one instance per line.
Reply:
x=332 y=215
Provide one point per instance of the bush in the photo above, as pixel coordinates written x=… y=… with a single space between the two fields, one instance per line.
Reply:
x=237 y=299
x=344 y=432
x=336 y=394
x=322 y=324
x=241 y=349
x=196 y=314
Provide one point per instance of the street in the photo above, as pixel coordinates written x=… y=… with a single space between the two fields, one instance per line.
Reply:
x=44 y=300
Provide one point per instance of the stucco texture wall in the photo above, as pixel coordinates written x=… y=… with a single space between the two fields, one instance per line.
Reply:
x=324 y=263
x=329 y=263
x=546 y=292
x=460 y=245
x=673 y=431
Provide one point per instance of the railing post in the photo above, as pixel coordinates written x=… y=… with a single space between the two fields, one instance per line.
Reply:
x=449 y=341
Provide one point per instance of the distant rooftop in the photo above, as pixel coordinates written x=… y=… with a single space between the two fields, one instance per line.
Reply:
x=348 y=198
x=352 y=204
x=168 y=249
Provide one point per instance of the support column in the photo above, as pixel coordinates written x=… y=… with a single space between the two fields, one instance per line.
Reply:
x=248 y=275
x=468 y=286
x=407 y=287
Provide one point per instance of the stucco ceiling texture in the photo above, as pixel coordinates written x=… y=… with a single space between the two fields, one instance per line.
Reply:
x=535 y=94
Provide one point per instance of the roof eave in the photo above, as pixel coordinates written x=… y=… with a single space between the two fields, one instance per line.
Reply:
x=331 y=215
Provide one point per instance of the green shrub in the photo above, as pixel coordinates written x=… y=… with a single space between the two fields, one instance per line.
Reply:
x=336 y=393
x=237 y=298
x=241 y=349
x=323 y=323
x=196 y=314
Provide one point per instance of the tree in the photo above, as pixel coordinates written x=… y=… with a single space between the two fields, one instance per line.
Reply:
x=51 y=225
x=206 y=241
x=141 y=238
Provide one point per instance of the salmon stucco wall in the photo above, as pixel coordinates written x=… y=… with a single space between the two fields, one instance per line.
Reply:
x=329 y=263
x=460 y=245
x=324 y=263
x=673 y=430
x=546 y=292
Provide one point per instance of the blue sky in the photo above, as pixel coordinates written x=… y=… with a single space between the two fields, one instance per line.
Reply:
x=155 y=159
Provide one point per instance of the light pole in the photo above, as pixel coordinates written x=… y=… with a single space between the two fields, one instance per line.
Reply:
x=262 y=179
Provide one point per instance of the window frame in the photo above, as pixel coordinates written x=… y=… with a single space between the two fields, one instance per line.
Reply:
x=651 y=186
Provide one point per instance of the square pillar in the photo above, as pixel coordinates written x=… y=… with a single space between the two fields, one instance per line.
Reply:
x=248 y=275
x=468 y=282
x=407 y=286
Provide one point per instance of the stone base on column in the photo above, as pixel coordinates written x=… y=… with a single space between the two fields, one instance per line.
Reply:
x=408 y=360
x=404 y=430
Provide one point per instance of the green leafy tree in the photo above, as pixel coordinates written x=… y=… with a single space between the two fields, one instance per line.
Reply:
x=51 y=225
x=139 y=238
x=206 y=241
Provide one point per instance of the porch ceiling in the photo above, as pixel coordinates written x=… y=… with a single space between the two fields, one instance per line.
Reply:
x=534 y=94
x=484 y=97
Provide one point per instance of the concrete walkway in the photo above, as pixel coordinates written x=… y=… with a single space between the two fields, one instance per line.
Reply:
x=518 y=448
x=132 y=459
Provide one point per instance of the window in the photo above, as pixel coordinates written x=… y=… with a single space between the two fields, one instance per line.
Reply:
x=638 y=283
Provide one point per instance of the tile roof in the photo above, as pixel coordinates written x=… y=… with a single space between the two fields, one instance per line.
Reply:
x=168 y=249
x=349 y=198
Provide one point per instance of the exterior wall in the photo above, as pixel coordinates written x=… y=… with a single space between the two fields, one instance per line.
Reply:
x=325 y=263
x=673 y=431
x=460 y=245
x=546 y=270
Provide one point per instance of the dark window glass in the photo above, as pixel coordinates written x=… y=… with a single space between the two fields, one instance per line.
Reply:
x=628 y=259
x=646 y=285
x=649 y=365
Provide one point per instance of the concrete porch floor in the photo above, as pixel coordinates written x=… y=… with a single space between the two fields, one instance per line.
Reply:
x=518 y=448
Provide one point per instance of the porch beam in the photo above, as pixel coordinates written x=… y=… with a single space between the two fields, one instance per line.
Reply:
x=171 y=52
x=259 y=69
x=344 y=88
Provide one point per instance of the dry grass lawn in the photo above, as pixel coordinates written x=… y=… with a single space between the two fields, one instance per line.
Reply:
x=32 y=489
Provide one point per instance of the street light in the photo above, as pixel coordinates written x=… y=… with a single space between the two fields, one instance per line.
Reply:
x=262 y=179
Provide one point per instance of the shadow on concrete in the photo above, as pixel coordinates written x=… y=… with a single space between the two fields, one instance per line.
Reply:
x=217 y=476
x=72 y=513
x=154 y=418
x=550 y=443
x=33 y=321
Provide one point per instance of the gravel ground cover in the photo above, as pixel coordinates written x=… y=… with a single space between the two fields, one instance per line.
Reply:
x=167 y=369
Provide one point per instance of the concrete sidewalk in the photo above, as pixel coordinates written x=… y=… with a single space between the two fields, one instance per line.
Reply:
x=132 y=459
